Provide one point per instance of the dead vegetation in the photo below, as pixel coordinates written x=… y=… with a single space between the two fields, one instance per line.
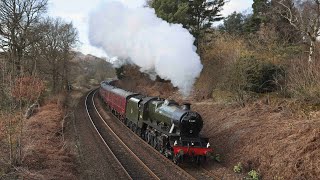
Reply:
x=135 y=81
x=268 y=135
x=45 y=152
x=273 y=135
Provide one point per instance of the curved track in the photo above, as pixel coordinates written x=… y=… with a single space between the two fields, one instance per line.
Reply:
x=183 y=172
x=149 y=163
x=124 y=160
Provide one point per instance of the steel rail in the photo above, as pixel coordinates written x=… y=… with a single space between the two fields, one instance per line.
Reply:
x=124 y=145
x=104 y=142
x=187 y=175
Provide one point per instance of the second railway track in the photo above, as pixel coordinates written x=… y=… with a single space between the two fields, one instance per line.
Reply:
x=124 y=160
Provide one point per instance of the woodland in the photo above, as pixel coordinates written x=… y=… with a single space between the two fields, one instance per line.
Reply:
x=271 y=51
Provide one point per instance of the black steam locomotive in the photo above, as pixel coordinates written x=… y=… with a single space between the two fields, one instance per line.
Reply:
x=170 y=128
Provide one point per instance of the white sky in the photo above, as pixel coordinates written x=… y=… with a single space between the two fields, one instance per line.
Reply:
x=78 y=11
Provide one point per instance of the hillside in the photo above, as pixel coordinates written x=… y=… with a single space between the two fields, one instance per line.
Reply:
x=88 y=69
x=48 y=137
x=253 y=75
x=276 y=137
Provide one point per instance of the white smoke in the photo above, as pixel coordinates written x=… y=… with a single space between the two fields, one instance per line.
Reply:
x=137 y=34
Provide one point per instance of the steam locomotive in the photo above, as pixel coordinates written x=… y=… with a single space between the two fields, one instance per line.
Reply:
x=171 y=129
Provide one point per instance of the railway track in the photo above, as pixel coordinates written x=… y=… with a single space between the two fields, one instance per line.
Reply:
x=125 y=162
x=153 y=160
x=184 y=172
x=199 y=172
x=145 y=162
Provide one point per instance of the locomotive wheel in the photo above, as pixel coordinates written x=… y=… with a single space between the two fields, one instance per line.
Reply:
x=151 y=140
x=129 y=124
x=177 y=159
x=134 y=127
x=169 y=154
x=138 y=132
x=155 y=142
x=143 y=134
x=148 y=137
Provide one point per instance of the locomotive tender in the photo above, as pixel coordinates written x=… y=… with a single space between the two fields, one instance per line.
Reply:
x=171 y=129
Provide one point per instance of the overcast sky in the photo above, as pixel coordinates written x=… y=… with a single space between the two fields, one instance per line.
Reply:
x=78 y=11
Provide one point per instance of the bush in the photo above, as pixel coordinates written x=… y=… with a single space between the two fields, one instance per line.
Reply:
x=238 y=168
x=253 y=175
x=250 y=74
x=217 y=158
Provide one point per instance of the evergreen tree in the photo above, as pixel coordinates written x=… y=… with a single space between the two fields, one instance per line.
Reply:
x=261 y=10
x=171 y=11
x=234 y=24
x=196 y=15
x=202 y=14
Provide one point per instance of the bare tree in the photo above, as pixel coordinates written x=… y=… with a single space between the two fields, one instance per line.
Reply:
x=304 y=16
x=18 y=22
x=18 y=19
x=53 y=50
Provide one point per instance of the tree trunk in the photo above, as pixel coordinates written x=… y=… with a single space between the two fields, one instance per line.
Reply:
x=311 y=51
x=54 y=81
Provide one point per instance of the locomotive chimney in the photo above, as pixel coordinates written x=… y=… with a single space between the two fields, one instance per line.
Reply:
x=186 y=106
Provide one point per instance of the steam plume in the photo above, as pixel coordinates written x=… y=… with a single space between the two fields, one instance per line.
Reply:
x=139 y=36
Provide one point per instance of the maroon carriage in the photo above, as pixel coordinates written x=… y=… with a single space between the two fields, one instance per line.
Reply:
x=115 y=98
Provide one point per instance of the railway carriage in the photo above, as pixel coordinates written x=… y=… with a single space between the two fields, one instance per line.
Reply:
x=170 y=128
x=115 y=98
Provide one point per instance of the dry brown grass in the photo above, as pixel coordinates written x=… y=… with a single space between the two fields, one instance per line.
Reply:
x=45 y=156
x=3 y=147
x=304 y=80
x=2 y=127
x=276 y=136
x=267 y=135
x=136 y=81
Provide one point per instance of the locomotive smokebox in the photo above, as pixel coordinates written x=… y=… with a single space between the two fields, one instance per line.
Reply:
x=186 y=106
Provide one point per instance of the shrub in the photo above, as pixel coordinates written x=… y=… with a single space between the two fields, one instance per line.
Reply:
x=253 y=175
x=251 y=74
x=217 y=158
x=238 y=168
x=28 y=88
